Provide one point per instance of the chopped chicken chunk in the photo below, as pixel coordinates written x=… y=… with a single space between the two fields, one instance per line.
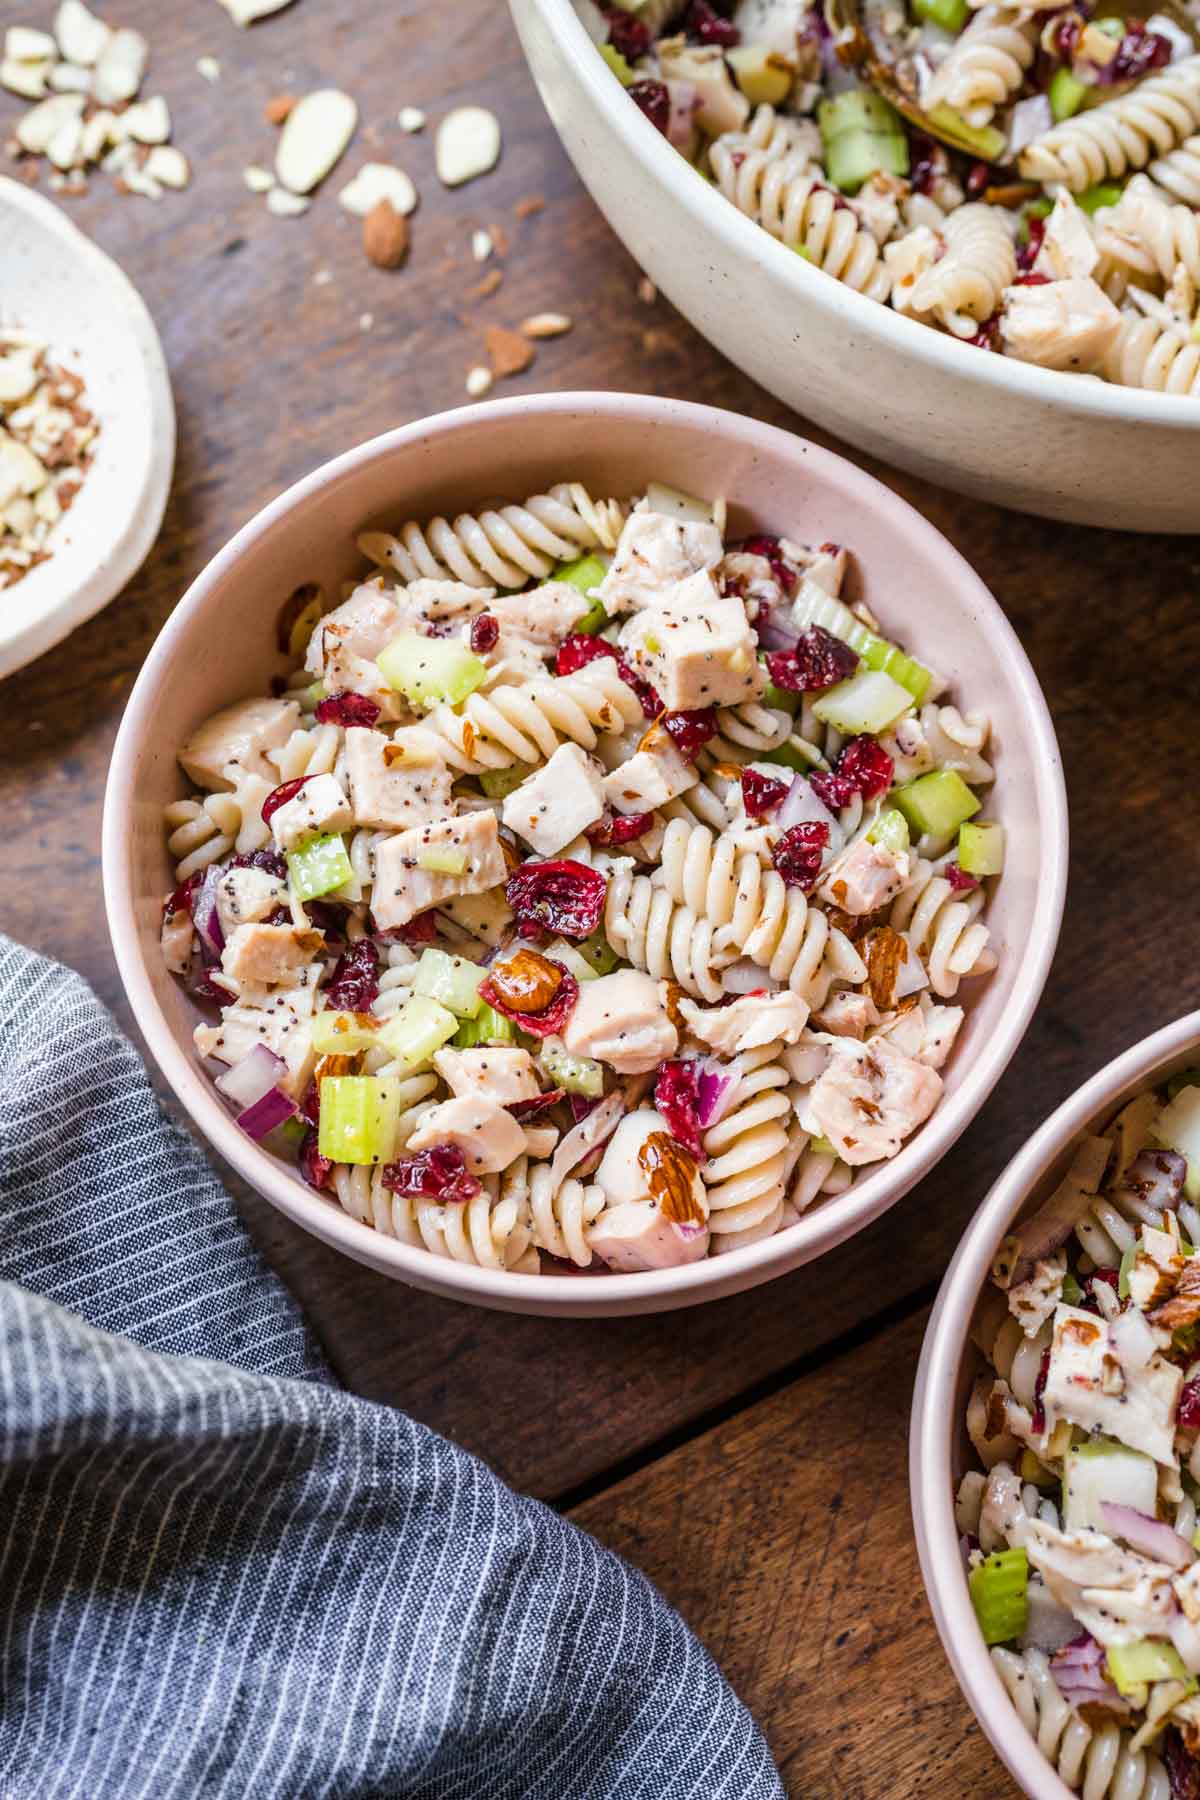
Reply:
x=720 y=106
x=403 y=887
x=1032 y=1301
x=639 y=1229
x=695 y=647
x=361 y=626
x=488 y=1136
x=635 y=1234
x=1087 y=1385
x=847 y=1012
x=543 y=616
x=654 y=774
x=866 y=878
x=749 y=1023
x=870 y=1098
x=1002 y=1517
x=244 y=896
x=558 y=802
x=267 y=954
x=1067 y=248
x=500 y=1075
x=622 y=1020
x=320 y=805
x=1059 y=325
x=925 y=1032
x=281 y=1021
x=239 y=736
x=1118 y=1595
x=655 y=553
x=176 y=940
x=1157 y=1264
x=396 y=783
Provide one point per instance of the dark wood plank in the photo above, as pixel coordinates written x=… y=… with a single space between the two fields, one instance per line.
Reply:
x=272 y=374
x=784 y=1539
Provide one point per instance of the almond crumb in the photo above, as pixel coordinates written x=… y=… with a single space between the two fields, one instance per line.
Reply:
x=491 y=281
x=647 y=293
x=479 y=381
x=508 y=351
x=545 y=325
x=278 y=108
x=385 y=236
x=532 y=203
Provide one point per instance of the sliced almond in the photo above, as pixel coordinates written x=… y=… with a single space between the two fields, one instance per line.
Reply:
x=508 y=352
x=317 y=131
x=375 y=182
x=481 y=245
x=385 y=236
x=208 y=67
x=169 y=166
x=531 y=204
x=479 y=381
x=23 y=44
x=20 y=470
x=70 y=78
x=25 y=78
x=18 y=375
x=63 y=148
x=279 y=108
x=38 y=127
x=120 y=68
x=149 y=121
x=245 y=12
x=491 y=281
x=468 y=144
x=545 y=325
x=410 y=118
x=122 y=156
x=286 y=205
x=140 y=181
x=258 y=180
x=97 y=133
x=82 y=37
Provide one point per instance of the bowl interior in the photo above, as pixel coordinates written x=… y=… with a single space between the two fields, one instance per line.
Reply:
x=941 y=1450
x=220 y=646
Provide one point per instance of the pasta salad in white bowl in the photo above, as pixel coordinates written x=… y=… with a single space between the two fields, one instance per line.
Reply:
x=604 y=887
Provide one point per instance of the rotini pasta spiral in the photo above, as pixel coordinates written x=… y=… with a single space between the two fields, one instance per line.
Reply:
x=754 y=727
x=655 y=933
x=308 y=752
x=501 y=547
x=492 y=1230
x=1147 y=354
x=1093 y=1761
x=943 y=927
x=1153 y=118
x=985 y=65
x=201 y=832
x=964 y=286
x=715 y=877
x=527 y=723
x=751 y=1151
x=795 y=943
x=1169 y=234
x=1178 y=173
x=561 y=1217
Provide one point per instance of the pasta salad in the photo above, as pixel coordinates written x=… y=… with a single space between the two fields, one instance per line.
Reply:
x=1080 y=1530
x=1066 y=233
x=599 y=888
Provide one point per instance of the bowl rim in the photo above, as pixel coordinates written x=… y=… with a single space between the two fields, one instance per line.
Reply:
x=824 y=1226
x=932 y=1421
x=744 y=240
x=140 y=516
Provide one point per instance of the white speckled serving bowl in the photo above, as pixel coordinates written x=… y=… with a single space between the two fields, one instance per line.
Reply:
x=219 y=645
x=939 y=1451
x=55 y=283
x=1067 y=446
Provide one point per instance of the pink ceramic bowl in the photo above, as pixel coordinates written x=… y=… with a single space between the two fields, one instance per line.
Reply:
x=219 y=646
x=939 y=1452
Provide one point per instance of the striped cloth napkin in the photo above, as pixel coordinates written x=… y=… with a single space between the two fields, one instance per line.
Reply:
x=220 y=1575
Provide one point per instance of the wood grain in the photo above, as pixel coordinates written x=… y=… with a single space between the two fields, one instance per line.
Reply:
x=784 y=1539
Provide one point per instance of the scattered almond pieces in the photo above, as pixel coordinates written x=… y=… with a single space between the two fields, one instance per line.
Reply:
x=375 y=182
x=545 y=325
x=385 y=236
x=316 y=134
x=532 y=203
x=481 y=245
x=286 y=205
x=246 y=12
x=468 y=145
x=257 y=179
x=47 y=437
x=508 y=352
x=208 y=67
x=491 y=281
x=410 y=119
x=278 y=108
x=479 y=381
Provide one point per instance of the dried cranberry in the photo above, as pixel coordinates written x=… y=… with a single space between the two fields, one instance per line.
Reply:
x=959 y=880
x=354 y=984
x=347 y=709
x=1067 y=34
x=864 y=767
x=1189 y=1405
x=1027 y=254
x=761 y=544
x=536 y=1105
x=315 y=1168
x=926 y=162
x=577 y=650
x=1031 y=279
x=797 y=855
x=269 y=860
x=485 y=633
x=1139 y=51
x=420 y=929
x=439 y=1173
x=628 y=36
x=580 y=1108
x=181 y=900
x=532 y=990
x=562 y=896
x=676 y=1097
x=988 y=335
x=1039 y=1389
x=202 y=987
x=310 y=1106
x=330 y=917
x=280 y=796
x=618 y=828
x=281 y=916
x=818 y=661
x=1183 y=1771
x=705 y=24
x=652 y=98
x=647 y=696
x=979 y=176
x=690 y=731
x=760 y=794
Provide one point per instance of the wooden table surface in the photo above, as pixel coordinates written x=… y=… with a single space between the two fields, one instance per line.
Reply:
x=749 y=1455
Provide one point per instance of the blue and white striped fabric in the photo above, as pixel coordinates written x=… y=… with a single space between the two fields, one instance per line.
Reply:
x=222 y=1576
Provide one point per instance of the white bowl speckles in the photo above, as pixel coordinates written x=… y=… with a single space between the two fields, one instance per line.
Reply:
x=1066 y=446
x=56 y=284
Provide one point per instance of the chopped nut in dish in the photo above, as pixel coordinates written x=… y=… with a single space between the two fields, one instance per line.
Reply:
x=47 y=436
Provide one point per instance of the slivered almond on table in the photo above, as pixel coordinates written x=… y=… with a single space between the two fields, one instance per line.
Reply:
x=508 y=352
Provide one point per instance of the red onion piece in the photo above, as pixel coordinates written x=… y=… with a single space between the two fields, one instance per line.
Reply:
x=253 y=1077
x=1028 y=119
x=1079 y=1675
x=714 y=1091
x=910 y=976
x=774 y=633
x=205 y=917
x=745 y=977
x=1151 y=1536
x=266 y=1114
x=585 y=1137
x=684 y=102
x=803 y=806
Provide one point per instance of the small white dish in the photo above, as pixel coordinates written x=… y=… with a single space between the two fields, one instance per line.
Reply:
x=55 y=283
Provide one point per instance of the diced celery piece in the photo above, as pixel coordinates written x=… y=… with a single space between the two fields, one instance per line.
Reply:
x=336 y=1033
x=782 y=699
x=592 y=622
x=869 y=701
x=439 y=861
x=1105 y=1471
x=318 y=867
x=358 y=1118
x=816 y=607
x=489 y=1027
x=578 y=1074
x=571 y=959
x=981 y=849
x=856 y=109
x=1072 y=1293
x=1131 y=1666
x=804 y=251
x=618 y=65
x=1177 y=1127
x=1185 y=1078
x=764 y=76
x=861 y=134
x=891 y=830
x=421 y=1026
x=1041 y=208
x=983 y=141
x=1123 y=1272
x=1066 y=94
x=599 y=953
x=1111 y=27
x=936 y=804
x=822 y=1146
x=951 y=15
x=1032 y=1469
x=999 y=1594
x=428 y=671
x=1105 y=193
x=789 y=756
x=452 y=981
x=498 y=784
x=585 y=573
x=661 y=499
